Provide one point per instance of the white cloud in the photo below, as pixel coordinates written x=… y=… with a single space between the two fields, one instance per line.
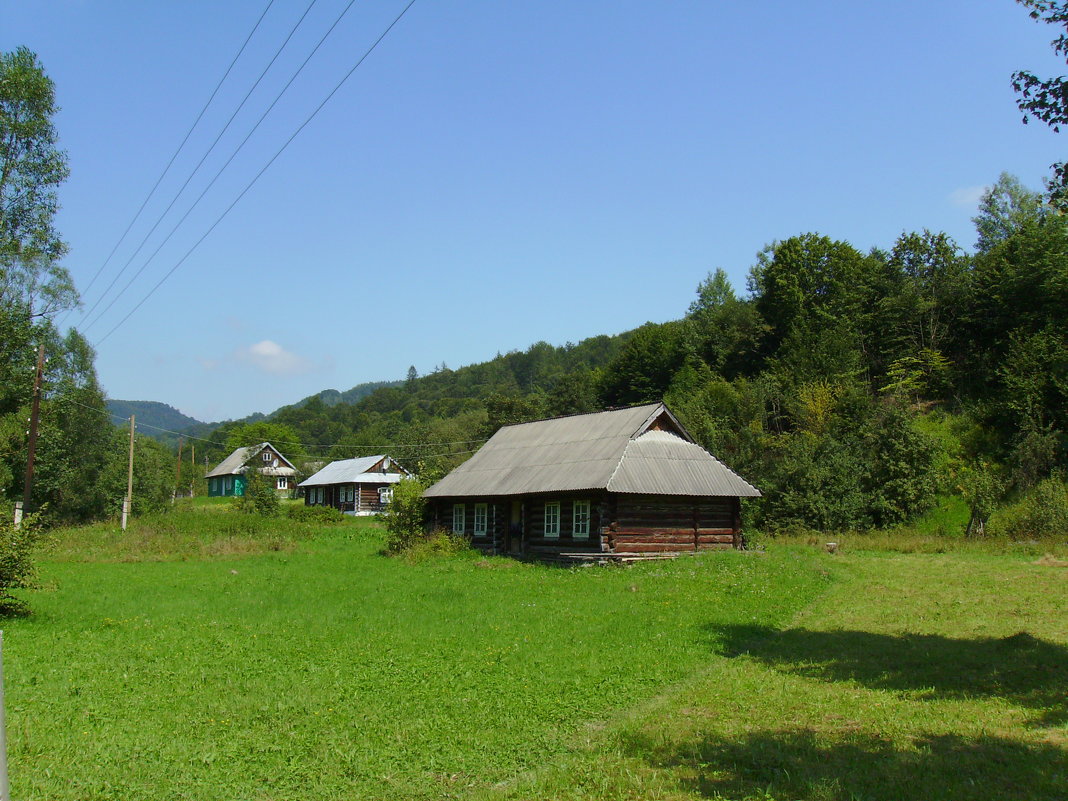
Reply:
x=967 y=195
x=273 y=358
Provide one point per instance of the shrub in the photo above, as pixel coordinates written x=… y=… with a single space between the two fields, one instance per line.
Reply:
x=1041 y=514
x=438 y=543
x=405 y=518
x=260 y=497
x=16 y=564
x=315 y=514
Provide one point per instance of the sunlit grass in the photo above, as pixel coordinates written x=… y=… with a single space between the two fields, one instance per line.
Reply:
x=331 y=671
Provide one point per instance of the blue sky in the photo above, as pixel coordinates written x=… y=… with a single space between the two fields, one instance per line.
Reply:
x=496 y=173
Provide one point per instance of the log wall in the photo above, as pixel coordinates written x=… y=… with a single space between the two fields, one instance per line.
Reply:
x=619 y=524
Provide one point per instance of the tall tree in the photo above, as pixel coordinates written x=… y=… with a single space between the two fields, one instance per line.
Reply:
x=1004 y=209
x=1047 y=99
x=31 y=168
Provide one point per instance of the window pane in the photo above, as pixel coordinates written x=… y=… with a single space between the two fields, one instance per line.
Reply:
x=458 y=513
x=552 y=519
x=480 y=519
x=580 y=527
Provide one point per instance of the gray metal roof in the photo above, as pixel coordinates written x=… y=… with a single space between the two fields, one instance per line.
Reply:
x=353 y=471
x=235 y=463
x=618 y=450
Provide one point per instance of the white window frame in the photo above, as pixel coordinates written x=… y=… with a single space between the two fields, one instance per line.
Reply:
x=459 y=514
x=551 y=524
x=266 y=456
x=385 y=495
x=282 y=483
x=481 y=520
x=580 y=520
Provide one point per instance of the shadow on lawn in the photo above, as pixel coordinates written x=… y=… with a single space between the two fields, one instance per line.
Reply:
x=800 y=765
x=1024 y=670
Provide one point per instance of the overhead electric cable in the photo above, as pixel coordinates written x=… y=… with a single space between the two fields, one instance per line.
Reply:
x=222 y=169
x=170 y=163
x=260 y=173
x=194 y=171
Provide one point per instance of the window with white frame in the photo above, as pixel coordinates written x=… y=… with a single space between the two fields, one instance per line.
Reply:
x=481 y=518
x=552 y=519
x=580 y=520
x=385 y=495
x=458 y=513
x=266 y=456
x=282 y=483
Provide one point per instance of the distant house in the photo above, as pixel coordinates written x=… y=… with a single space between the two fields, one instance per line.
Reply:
x=624 y=483
x=360 y=486
x=230 y=476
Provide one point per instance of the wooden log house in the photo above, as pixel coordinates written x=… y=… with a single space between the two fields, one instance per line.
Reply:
x=623 y=484
x=362 y=486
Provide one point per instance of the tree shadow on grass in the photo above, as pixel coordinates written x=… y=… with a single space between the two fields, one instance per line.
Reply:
x=798 y=764
x=1025 y=670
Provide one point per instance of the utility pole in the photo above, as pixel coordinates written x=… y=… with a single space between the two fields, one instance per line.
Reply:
x=35 y=414
x=178 y=471
x=127 y=504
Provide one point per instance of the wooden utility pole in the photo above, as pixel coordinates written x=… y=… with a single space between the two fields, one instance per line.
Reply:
x=27 y=487
x=178 y=471
x=127 y=504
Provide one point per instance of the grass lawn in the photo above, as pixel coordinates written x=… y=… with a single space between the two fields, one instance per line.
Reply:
x=319 y=669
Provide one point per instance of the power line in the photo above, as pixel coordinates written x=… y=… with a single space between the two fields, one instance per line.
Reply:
x=189 y=178
x=222 y=169
x=170 y=163
x=260 y=173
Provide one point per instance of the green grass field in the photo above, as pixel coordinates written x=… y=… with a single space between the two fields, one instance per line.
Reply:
x=305 y=665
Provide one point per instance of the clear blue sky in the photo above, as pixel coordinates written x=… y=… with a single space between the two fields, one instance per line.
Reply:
x=498 y=173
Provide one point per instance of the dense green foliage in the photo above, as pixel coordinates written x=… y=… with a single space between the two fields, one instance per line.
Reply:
x=404 y=520
x=852 y=387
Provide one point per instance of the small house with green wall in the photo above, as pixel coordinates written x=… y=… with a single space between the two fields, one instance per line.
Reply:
x=230 y=476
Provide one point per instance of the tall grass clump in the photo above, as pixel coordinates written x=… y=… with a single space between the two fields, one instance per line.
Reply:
x=1041 y=514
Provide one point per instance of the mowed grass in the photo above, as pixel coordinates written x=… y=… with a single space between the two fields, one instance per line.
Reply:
x=326 y=670
x=915 y=676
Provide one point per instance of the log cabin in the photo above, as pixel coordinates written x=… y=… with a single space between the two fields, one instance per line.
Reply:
x=616 y=485
x=362 y=486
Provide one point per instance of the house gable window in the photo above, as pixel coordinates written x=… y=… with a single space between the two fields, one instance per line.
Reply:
x=481 y=516
x=580 y=520
x=552 y=519
x=266 y=456
x=459 y=511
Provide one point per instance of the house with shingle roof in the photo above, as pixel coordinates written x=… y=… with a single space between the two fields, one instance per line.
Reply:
x=230 y=476
x=624 y=482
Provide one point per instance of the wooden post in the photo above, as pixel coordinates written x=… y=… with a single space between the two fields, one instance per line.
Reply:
x=27 y=486
x=127 y=504
x=178 y=470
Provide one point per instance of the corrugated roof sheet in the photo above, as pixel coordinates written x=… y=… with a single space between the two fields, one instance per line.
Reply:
x=352 y=471
x=607 y=450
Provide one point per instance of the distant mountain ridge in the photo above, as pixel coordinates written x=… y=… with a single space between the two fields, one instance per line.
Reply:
x=154 y=415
